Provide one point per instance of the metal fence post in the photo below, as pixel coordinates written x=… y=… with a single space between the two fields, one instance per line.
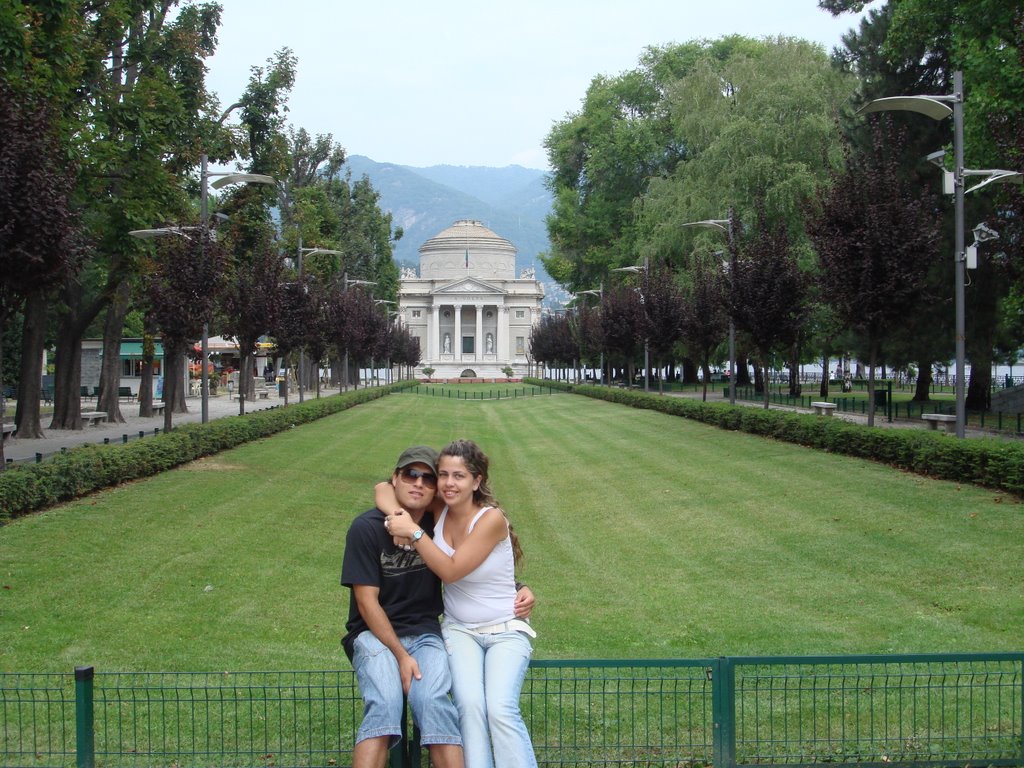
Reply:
x=723 y=712
x=85 y=741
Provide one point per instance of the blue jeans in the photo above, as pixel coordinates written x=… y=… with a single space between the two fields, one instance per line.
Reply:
x=487 y=676
x=381 y=687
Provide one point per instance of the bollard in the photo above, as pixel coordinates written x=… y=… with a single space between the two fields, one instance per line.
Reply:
x=124 y=439
x=39 y=458
x=142 y=433
x=106 y=441
x=156 y=431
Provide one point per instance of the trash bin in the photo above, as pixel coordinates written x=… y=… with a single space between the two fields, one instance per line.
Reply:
x=282 y=389
x=881 y=398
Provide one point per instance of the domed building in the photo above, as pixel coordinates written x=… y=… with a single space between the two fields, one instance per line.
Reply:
x=472 y=315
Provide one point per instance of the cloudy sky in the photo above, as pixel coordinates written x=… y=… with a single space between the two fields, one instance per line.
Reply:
x=471 y=82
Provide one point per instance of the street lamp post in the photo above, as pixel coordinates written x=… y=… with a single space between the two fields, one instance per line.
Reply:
x=936 y=108
x=725 y=226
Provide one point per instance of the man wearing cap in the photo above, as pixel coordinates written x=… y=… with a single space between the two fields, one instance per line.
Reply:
x=394 y=636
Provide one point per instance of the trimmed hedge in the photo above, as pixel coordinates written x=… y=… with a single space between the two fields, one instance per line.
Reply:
x=87 y=468
x=987 y=462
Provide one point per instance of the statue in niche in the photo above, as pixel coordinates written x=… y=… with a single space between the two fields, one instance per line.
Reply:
x=447 y=344
x=490 y=343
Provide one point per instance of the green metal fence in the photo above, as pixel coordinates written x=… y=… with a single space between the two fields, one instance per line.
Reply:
x=900 y=710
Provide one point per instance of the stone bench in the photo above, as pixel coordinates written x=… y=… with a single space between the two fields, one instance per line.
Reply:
x=8 y=430
x=823 y=409
x=94 y=417
x=158 y=407
x=260 y=388
x=934 y=419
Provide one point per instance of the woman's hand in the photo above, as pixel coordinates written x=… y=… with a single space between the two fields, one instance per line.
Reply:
x=401 y=526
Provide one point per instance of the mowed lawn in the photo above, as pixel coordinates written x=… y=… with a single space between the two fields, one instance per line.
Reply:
x=646 y=536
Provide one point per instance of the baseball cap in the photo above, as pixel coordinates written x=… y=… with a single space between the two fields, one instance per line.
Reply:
x=418 y=454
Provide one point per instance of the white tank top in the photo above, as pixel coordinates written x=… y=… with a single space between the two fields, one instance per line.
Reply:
x=487 y=594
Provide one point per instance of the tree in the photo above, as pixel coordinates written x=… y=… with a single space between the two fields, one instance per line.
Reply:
x=704 y=318
x=758 y=121
x=663 y=312
x=551 y=341
x=767 y=291
x=929 y=40
x=251 y=303
x=876 y=238
x=182 y=282
x=623 y=324
x=38 y=245
x=138 y=124
x=297 y=321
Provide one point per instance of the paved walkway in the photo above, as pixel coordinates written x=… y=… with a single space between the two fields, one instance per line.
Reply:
x=24 y=450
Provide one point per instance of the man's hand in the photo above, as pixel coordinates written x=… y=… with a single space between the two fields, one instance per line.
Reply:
x=523 y=605
x=408 y=669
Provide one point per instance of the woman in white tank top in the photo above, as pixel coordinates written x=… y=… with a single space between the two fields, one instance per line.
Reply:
x=474 y=552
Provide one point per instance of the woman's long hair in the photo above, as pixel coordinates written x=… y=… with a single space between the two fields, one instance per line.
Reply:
x=477 y=463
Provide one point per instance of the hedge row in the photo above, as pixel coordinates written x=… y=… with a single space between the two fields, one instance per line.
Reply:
x=30 y=487
x=988 y=462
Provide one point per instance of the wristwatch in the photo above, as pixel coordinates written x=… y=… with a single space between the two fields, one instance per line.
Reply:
x=417 y=535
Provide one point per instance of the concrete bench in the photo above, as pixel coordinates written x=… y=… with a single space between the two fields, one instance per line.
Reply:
x=934 y=419
x=8 y=430
x=158 y=407
x=260 y=388
x=94 y=417
x=823 y=409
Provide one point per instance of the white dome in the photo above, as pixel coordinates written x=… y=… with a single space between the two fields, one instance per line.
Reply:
x=467 y=248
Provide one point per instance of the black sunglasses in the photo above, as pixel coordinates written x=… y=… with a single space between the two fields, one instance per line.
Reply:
x=410 y=475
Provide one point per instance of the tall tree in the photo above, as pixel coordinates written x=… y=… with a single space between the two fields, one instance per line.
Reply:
x=876 y=238
x=933 y=38
x=704 y=319
x=767 y=291
x=251 y=302
x=182 y=282
x=38 y=247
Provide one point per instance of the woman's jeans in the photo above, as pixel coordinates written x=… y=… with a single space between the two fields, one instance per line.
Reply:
x=487 y=676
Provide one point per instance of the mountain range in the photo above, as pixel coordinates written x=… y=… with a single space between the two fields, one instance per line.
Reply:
x=513 y=202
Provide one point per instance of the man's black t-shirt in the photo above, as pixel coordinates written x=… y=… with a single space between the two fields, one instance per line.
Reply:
x=410 y=593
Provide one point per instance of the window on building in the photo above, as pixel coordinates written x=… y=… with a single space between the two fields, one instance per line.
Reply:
x=520 y=314
x=467 y=345
x=416 y=313
x=132 y=367
x=520 y=345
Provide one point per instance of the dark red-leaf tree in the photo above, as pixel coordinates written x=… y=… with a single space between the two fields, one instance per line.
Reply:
x=38 y=244
x=183 y=280
x=704 y=318
x=768 y=291
x=876 y=237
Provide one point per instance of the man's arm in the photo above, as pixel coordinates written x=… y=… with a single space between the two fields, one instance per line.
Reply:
x=378 y=622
